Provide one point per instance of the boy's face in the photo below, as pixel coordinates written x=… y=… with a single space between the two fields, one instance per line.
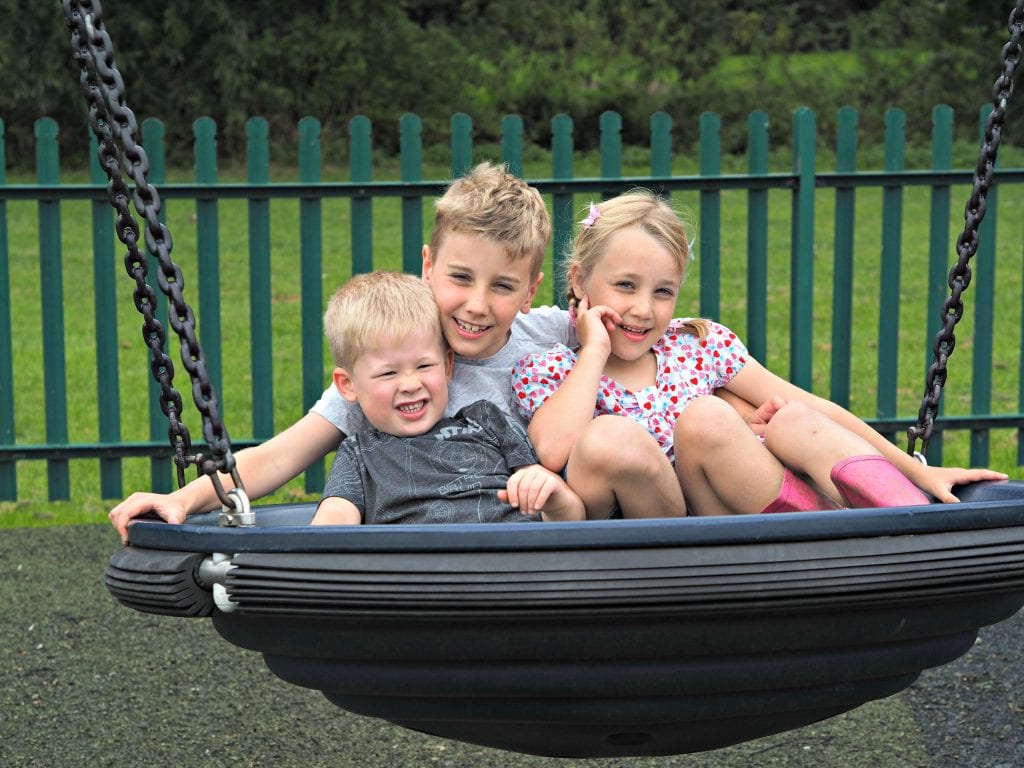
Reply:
x=401 y=385
x=479 y=291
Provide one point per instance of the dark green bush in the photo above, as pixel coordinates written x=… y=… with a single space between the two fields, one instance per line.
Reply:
x=231 y=60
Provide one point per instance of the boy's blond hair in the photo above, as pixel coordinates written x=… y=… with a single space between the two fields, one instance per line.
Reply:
x=492 y=202
x=377 y=306
x=637 y=208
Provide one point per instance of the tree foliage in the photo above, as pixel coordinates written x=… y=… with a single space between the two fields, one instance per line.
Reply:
x=333 y=60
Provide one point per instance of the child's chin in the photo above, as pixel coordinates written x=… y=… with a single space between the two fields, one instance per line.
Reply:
x=471 y=348
x=415 y=430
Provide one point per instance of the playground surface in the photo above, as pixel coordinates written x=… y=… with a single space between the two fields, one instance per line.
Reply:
x=85 y=681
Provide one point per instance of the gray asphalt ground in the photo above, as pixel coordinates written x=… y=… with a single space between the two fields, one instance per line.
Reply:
x=87 y=682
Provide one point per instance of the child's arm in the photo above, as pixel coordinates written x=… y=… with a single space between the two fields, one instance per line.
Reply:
x=557 y=424
x=334 y=510
x=535 y=489
x=757 y=385
x=263 y=468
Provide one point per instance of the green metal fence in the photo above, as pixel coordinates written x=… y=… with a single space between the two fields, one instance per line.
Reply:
x=744 y=259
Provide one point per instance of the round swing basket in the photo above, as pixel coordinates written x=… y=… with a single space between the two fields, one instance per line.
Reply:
x=601 y=639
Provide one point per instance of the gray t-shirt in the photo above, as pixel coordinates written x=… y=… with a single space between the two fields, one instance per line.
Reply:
x=451 y=474
x=487 y=379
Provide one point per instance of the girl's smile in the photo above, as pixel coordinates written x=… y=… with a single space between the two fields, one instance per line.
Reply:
x=639 y=279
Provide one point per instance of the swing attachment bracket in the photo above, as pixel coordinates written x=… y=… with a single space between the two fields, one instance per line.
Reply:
x=235 y=507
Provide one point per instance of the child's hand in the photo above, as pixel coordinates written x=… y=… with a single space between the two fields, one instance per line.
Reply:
x=939 y=481
x=758 y=420
x=595 y=324
x=167 y=507
x=536 y=489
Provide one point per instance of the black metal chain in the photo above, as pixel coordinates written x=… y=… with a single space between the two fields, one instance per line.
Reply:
x=115 y=127
x=967 y=243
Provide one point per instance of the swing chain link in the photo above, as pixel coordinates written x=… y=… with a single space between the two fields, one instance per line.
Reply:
x=115 y=127
x=967 y=243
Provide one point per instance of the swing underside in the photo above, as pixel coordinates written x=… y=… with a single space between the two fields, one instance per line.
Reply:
x=601 y=639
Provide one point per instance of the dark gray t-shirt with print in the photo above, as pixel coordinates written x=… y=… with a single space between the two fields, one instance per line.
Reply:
x=451 y=474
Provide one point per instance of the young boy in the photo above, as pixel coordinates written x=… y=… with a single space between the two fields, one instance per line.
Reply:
x=483 y=266
x=413 y=464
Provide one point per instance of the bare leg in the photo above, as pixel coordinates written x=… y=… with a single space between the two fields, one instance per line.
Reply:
x=720 y=462
x=809 y=442
x=616 y=463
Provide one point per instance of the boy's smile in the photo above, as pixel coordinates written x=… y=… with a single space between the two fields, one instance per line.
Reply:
x=479 y=291
x=401 y=385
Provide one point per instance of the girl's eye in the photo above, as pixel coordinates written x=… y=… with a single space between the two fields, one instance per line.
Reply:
x=624 y=285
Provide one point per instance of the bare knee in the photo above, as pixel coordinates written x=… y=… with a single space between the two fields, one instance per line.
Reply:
x=707 y=422
x=795 y=418
x=616 y=445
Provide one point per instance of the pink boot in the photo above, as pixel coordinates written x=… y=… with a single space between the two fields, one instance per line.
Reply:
x=795 y=495
x=872 y=481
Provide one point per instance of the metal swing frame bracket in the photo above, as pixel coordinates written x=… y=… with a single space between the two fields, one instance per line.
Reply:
x=236 y=510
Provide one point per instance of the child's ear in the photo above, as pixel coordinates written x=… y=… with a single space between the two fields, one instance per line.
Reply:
x=576 y=282
x=428 y=264
x=530 y=294
x=343 y=383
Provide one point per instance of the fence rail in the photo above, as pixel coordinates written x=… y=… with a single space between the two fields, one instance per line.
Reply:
x=723 y=251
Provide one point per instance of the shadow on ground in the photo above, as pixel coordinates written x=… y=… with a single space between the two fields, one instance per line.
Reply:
x=86 y=682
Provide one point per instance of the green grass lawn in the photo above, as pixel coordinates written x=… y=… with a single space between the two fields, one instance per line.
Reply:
x=33 y=508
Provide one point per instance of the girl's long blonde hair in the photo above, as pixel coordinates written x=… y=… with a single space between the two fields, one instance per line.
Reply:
x=638 y=208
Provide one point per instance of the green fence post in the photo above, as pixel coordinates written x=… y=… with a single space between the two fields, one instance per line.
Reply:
x=984 y=290
x=261 y=341
x=462 y=144
x=801 y=319
x=108 y=393
x=52 y=285
x=562 y=203
x=161 y=468
x=208 y=252
x=611 y=146
x=757 y=239
x=842 y=258
x=710 y=217
x=311 y=258
x=8 y=473
x=939 y=248
x=889 y=284
x=411 y=150
x=361 y=170
x=512 y=143
x=661 y=148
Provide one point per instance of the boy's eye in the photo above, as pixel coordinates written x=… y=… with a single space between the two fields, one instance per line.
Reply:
x=384 y=374
x=426 y=366
x=460 y=277
x=506 y=287
x=624 y=285
x=667 y=292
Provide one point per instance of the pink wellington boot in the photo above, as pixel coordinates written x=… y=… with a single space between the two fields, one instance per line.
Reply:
x=872 y=481
x=796 y=495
